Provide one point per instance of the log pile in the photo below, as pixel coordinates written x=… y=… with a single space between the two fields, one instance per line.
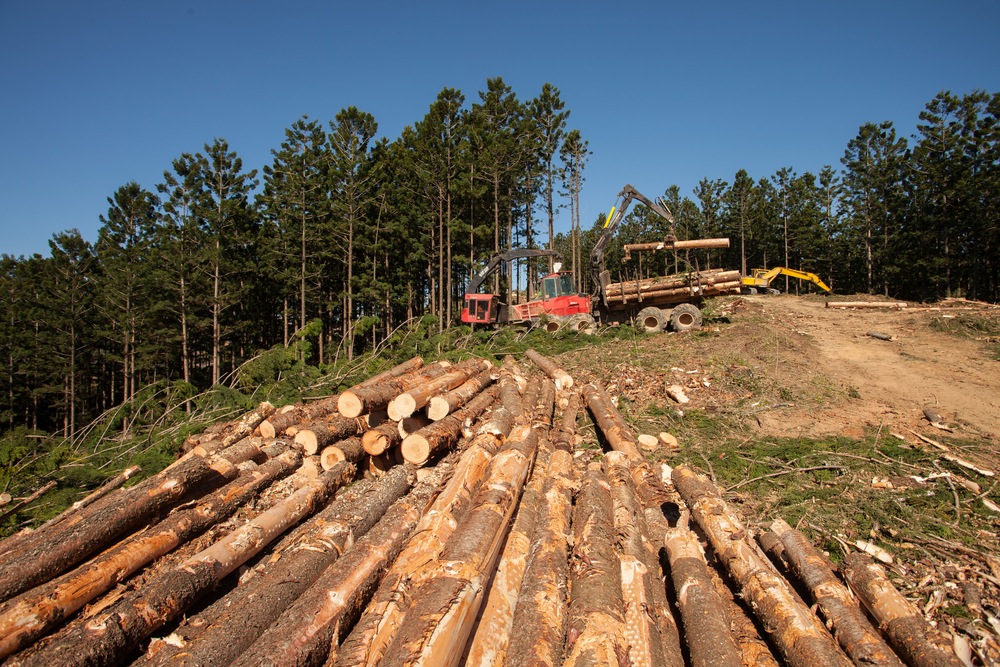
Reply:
x=491 y=539
x=674 y=288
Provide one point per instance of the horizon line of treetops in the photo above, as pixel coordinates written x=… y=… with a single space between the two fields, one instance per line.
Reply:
x=192 y=277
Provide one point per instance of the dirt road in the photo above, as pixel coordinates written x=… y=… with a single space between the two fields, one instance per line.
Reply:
x=895 y=379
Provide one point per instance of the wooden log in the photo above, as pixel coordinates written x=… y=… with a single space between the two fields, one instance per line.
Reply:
x=249 y=610
x=595 y=634
x=419 y=396
x=441 y=406
x=109 y=636
x=379 y=465
x=316 y=436
x=793 y=628
x=540 y=615
x=707 y=632
x=915 y=640
x=852 y=630
x=27 y=617
x=308 y=632
x=666 y=283
x=617 y=433
x=348 y=449
x=676 y=294
x=446 y=600
x=646 y=646
x=562 y=379
x=112 y=484
x=357 y=401
x=229 y=433
x=381 y=438
x=27 y=500
x=43 y=555
x=412 y=424
x=418 y=447
x=692 y=244
x=866 y=304
x=754 y=650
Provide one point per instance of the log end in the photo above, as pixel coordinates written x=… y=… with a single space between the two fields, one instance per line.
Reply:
x=373 y=442
x=438 y=408
x=349 y=405
x=267 y=429
x=402 y=407
x=331 y=456
x=308 y=441
x=416 y=449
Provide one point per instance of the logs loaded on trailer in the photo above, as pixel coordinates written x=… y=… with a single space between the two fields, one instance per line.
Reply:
x=484 y=537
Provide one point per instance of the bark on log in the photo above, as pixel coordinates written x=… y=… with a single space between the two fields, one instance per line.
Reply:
x=45 y=554
x=794 y=629
x=308 y=632
x=231 y=432
x=316 y=436
x=692 y=244
x=866 y=304
x=676 y=294
x=709 y=639
x=435 y=630
x=253 y=607
x=357 y=401
x=381 y=438
x=112 y=634
x=595 y=634
x=348 y=449
x=540 y=615
x=666 y=283
x=917 y=643
x=418 y=447
x=852 y=630
x=419 y=396
x=30 y=615
x=562 y=379
x=441 y=406
x=112 y=484
x=619 y=436
x=754 y=650
x=647 y=648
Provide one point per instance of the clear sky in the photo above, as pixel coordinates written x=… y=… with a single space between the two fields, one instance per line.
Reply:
x=96 y=93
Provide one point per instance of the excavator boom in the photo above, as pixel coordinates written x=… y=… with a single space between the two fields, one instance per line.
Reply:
x=763 y=277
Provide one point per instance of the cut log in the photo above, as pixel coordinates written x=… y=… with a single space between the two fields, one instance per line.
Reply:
x=648 y=442
x=595 y=634
x=676 y=393
x=45 y=554
x=707 y=632
x=112 y=484
x=866 y=304
x=753 y=648
x=540 y=615
x=914 y=639
x=418 y=447
x=799 y=635
x=249 y=610
x=638 y=575
x=381 y=438
x=854 y=633
x=617 y=433
x=316 y=436
x=674 y=245
x=441 y=406
x=678 y=295
x=231 y=432
x=446 y=601
x=112 y=634
x=660 y=284
x=308 y=632
x=348 y=449
x=30 y=615
x=879 y=336
x=562 y=379
x=419 y=396
x=359 y=400
x=5 y=498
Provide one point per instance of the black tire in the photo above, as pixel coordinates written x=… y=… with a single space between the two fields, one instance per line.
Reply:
x=651 y=320
x=749 y=290
x=552 y=324
x=685 y=317
x=772 y=290
x=582 y=323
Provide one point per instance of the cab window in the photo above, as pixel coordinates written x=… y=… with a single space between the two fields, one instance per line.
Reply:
x=551 y=288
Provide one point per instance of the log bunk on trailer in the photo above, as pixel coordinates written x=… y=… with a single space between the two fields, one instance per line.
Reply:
x=654 y=304
x=490 y=539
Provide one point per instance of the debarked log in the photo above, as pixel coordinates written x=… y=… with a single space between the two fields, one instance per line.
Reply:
x=914 y=639
x=418 y=447
x=110 y=635
x=799 y=635
x=856 y=635
x=562 y=379
x=617 y=433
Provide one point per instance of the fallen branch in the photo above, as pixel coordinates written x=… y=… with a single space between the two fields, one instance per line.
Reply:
x=780 y=473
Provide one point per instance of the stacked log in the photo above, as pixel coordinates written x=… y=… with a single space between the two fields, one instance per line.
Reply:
x=798 y=634
x=562 y=379
x=617 y=433
x=417 y=448
x=224 y=435
x=408 y=402
x=706 y=283
x=441 y=406
x=376 y=396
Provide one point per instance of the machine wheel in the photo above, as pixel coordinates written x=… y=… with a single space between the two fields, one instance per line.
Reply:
x=749 y=290
x=582 y=323
x=685 y=317
x=552 y=324
x=651 y=320
x=772 y=290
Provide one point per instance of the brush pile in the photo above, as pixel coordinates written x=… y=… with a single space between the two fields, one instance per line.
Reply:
x=439 y=515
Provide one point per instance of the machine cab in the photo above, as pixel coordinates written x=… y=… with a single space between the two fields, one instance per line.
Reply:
x=481 y=308
x=558 y=284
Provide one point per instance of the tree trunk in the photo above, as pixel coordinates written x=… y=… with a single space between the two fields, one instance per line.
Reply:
x=36 y=612
x=408 y=402
x=595 y=634
x=917 y=642
x=798 y=634
x=316 y=436
x=381 y=438
x=376 y=396
x=441 y=406
x=611 y=422
x=709 y=639
x=348 y=449
x=850 y=627
x=418 y=447
x=111 y=635
x=562 y=379
x=239 y=618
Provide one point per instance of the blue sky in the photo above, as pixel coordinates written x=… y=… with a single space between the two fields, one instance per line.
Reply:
x=98 y=93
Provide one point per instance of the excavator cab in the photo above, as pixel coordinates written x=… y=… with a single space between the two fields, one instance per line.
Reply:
x=481 y=308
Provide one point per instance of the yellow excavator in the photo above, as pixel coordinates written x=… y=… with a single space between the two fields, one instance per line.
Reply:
x=761 y=279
